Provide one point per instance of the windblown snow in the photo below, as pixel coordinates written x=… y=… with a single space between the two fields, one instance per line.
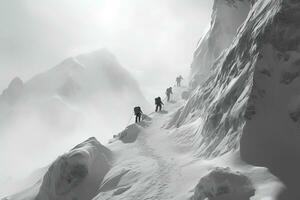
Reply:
x=233 y=133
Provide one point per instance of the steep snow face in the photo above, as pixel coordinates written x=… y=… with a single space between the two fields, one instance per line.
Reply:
x=271 y=135
x=251 y=100
x=221 y=103
x=90 y=94
x=227 y=16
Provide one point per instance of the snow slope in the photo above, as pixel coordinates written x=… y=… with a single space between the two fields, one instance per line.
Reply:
x=154 y=167
x=63 y=106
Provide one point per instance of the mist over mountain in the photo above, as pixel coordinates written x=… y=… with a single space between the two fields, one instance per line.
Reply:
x=90 y=94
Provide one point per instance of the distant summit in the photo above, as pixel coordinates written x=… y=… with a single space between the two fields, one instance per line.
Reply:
x=13 y=91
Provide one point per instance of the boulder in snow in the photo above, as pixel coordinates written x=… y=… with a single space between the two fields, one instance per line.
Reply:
x=223 y=184
x=77 y=174
x=130 y=134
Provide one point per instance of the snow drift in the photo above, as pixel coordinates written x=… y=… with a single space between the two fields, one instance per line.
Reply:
x=77 y=174
x=130 y=134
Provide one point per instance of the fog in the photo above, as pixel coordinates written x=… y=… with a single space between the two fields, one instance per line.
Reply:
x=154 y=40
x=150 y=38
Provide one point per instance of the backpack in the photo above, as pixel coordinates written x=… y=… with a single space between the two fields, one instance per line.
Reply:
x=169 y=91
x=137 y=110
x=157 y=100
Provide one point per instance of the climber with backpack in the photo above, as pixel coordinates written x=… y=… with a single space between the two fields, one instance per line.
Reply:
x=158 y=104
x=168 y=93
x=138 y=113
x=178 y=80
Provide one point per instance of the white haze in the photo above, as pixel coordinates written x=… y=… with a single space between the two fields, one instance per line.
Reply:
x=153 y=39
x=150 y=38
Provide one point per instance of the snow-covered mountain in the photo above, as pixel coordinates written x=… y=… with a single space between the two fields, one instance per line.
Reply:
x=236 y=137
x=62 y=106
x=227 y=16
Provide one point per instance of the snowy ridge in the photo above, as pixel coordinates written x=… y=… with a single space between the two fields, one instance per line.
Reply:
x=227 y=16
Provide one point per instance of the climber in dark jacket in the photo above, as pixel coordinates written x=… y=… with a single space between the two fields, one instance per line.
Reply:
x=138 y=113
x=178 y=80
x=168 y=93
x=158 y=104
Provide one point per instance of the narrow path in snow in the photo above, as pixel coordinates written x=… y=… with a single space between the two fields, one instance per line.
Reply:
x=162 y=176
x=150 y=147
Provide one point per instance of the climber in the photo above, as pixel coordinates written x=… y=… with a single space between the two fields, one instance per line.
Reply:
x=168 y=93
x=138 y=113
x=158 y=104
x=178 y=80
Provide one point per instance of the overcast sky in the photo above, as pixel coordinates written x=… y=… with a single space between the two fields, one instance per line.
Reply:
x=151 y=38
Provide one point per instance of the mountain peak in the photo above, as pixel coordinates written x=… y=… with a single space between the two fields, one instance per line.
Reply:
x=16 y=82
x=97 y=55
x=13 y=91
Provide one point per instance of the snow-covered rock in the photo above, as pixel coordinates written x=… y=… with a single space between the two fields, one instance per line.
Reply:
x=77 y=174
x=227 y=16
x=223 y=183
x=130 y=134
